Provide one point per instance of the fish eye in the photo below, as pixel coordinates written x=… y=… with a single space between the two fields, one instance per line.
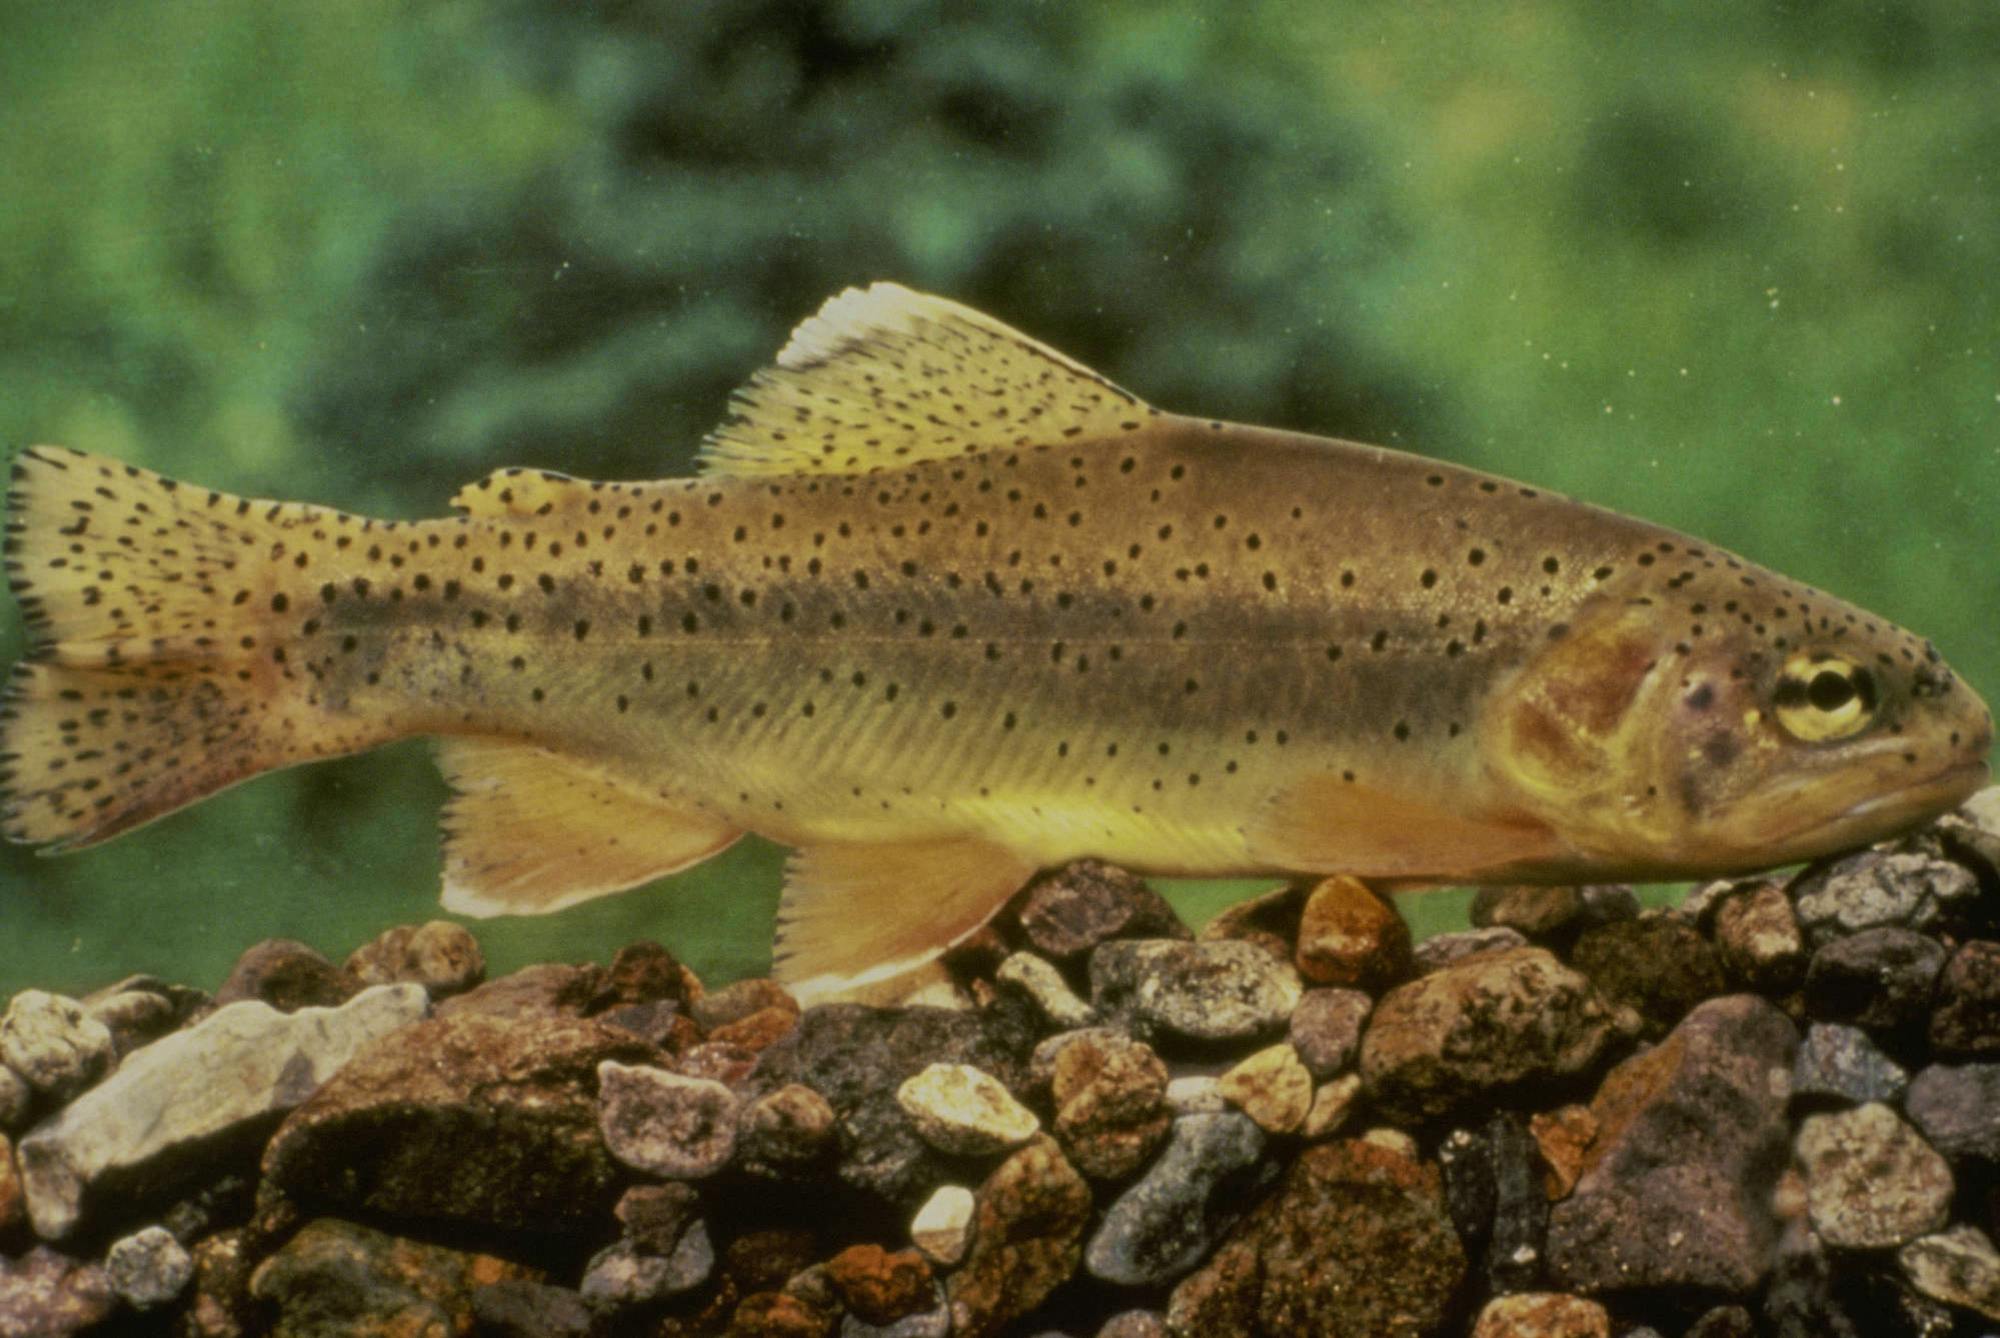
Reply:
x=1823 y=697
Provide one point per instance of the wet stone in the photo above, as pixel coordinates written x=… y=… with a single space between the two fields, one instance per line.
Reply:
x=1134 y=1324
x=521 y=1309
x=141 y=1009
x=287 y=975
x=1196 y=1094
x=53 y=1043
x=1110 y=1099
x=963 y=1111
x=552 y=989
x=1542 y=1315
x=1442 y=950
x=1564 y=1137
x=1957 y=1107
x=718 y=1062
x=1879 y=888
x=1875 y=978
x=786 y=1131
x=1871 y=1180
x=148 y=1268
x=665 y=1124
x=1272 y=1087
x=336 y=1277
x=779 y=1258
x=621 y=1275
x=1071 y=910
x=880 y=1286
x=1759 y=940
x=1348 y=936
x=943 y=1226
x=656 y=1216
x=1655 y=965
x=1166 y=1222
x=1957 y=1266
x=44 y=1294
x=1965 y=1019
x=1332 y=1103
x=441 y=956
x=1215 y=990
x=1325 y=1029
x=644 y=972
x=1045 y=987
x=1534 y=912
x=16 y=1100
x=1843 y=1064
x=1027 y=1233
x=660 y=1023
x=741 y=1000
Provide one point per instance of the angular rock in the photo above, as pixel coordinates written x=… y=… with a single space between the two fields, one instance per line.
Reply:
x=963 y=1111
x=786 y=1131
x=1510 y=1246
x=219 y=1304
x=1045 y=987
x=717 y=1061
x=287 y=975
x=656 y=1216
x=148 y=1268
x=1542 y=1315
x=54 y=1044
x=879 y=1286
x=1958 y=1266
x=16 y=1100
x=1163 y=1225
x=1874 y=978
x=1332 y=1103
x=1879 y=888
x=1356 y=1240
x=1441 y=950
x=645 y=972
x=1564 y=1137
x=1965 y=1018
x=1071 y=910
x=1025 y=1240
x=1348 y=936
x=336 y=1277
x=741 y=1000
x=441 y=956
x=660 y=1023
x=1110 y=1097
x=1272 y=1087
x=1957 y=1106
x=1871 y=1181
x=1325 y=1029
x=943 y=1226
x=664 y=1124
x=1655 y=965
x=138 y=1010
x=520 y=1309
x=1269 y=922
x=1759 y=940
x=1488 y=1022
x=1532 y=911
x=1677 y=1189
x=48 y=1295
x=200 y=1098
x=390 y=1133
x=552 y=989
x=1216 y=990
x=769 y=1314
x=1843 y=1064
x=621 y=1275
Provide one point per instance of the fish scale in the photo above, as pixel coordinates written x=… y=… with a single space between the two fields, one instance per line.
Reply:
x=948 y=607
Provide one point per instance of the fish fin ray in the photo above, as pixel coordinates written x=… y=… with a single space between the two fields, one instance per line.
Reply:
x=528 y=831
x=855 y=914
x=1324 y=824
x=885 y=377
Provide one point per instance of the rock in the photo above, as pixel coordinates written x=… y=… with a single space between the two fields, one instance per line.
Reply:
x=780 y=1258
x=1163 y=1225
x=1196 y=1094
x=943 y=1226
x=391 y=1133
x=857 y=1057
x=741 y=1000
x=193 y=1101
x=1655 y=965
x=1025 y=1240
x=1134 y=1324
x=1325 y=1029
x=441 y=956
x=1219 y=990
x=337 y=1277
x=645 y=972
x=1535 y=912
x=786 y=1131
x=656 y=1216
x=1723 y=1321
x=1564 y=1137
x=1348 y=936
x=287 y=975
x=48 y=1295
x=138 y=1010
x=1442 y=950
x=660 y=1023
x=1677 y=1189
x=517 y=1308
x=878 y=1286
x=1356 y=1240
x=148 y=1268
x=1958 y=1266
x=1487 y=1022
x=664 y=1124
x=1110 y=1098
x=16 y=1100
x=962 y=1111
x=1871 y=1180
x=1965 y=1018
x=779 y=1315
x=1067 y=912
x=1957 y=1106
x=932 y=1323
x=1045 y=987
x=218 y=1303
x=1516 y=1240
x=718 y=1062
x=1875 y=978
x=1269 y=922
x=1759 y=940
x=13 y=1196
x=1272 y=1087
x=621 y=1275
x=1879 y=888
x=1842 y=1064
x=54 y=1044
x=1332 y=1103
x=1542 y=1315
x=550 y=990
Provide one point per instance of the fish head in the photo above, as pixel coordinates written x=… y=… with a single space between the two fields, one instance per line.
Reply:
x=1661 y=740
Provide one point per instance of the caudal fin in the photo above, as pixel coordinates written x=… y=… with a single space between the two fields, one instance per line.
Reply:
x=158 y=668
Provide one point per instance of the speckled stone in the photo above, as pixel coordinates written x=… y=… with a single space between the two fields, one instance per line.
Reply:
x=943 y=1226
x=1758 y=938
x=786 y=1131
x=1957 y=1106
x=1038 y=979
x=1843 y=1064
x=1217 y=990
x=1164 y=1224
x=336 y=1277
x=1542 y=1315
x=44 y=1294
x=1874 y=978
x=1068 y=911
x=964 y=1111
x=54 y=1043
x=1272 y=1087
x=1348 y=936
x=1110 y=1098
x=16 y=1100
x=1325 y=1029
x=621 y=1275
x=1332 y=1103
x=1879 y=888
x=148 y=1268
x=1655 y=965
x=665 y=1124
x=1871 y=1180
x=1027 y=1232
x=1965 y=1017
x=1958 y=1266
x=287 y=975
x=441 y=956
x=881 y=1286
x=1441 y=950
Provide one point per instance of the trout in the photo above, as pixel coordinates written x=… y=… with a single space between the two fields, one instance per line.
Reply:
x=944 y=607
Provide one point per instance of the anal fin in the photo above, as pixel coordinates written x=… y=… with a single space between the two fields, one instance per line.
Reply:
x=1324 y=824
x=855 y=915
x=528 y=831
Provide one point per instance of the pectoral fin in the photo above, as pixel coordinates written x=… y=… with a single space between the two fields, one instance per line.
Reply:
x=1324 y=824
x=528 y=831
x=856 y=915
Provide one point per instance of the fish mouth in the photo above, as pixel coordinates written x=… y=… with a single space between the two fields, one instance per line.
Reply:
x=1877 y=814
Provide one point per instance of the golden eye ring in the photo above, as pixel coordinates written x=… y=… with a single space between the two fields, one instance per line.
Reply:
x=1820 y=698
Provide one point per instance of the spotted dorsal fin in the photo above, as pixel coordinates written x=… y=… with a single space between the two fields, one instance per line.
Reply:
x=520 y=494
x=884 y=377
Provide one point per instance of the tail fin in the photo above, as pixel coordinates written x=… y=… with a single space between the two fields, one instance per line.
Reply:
x=157 y=670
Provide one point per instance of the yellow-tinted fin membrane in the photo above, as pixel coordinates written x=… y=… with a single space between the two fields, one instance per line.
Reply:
x=521 y=494
x=1325 y=824
x=854 y=916
x=883 y=377
x=527 y=831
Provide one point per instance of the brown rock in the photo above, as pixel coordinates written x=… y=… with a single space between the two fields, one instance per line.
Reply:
x=441 y=956
x=1067 y=912
x=1270 y=921
x=1965 y=1019
x=778 y=1315
x=1538 y=912
x=13 y=1198
x=785 y=1131
x=1218 y=1298
x=48 y=1295
x=288 y=975
x=1272 y=1087
x=761 y=1260
x=1110 y=1098
x=1759 y=939
x=140 y=1009
x=740 y=1000
x=1656 y=965
x=878 y=1286
x=391 y=1133
x=645 y=972
x=1326 y=1029
x=1348 y=936
x=717 y=1061
x=1542 y=1315
x=1332 y=1103
x=550 y=990
x=655 y=1216
x=1027 y=1238
x=758 y=1030
x=337 y=1277
x=219 y=1304
x=1564 y=1136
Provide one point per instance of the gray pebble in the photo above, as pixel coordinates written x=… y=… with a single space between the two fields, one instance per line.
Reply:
x=1163 y=1225
x=54 y=1043
x=1843 y=1064
x=148 y=1268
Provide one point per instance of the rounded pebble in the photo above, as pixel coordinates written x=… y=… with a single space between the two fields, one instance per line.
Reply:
x=965 y=1111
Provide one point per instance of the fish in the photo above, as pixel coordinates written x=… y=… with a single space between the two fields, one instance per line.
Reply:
x=943 y=607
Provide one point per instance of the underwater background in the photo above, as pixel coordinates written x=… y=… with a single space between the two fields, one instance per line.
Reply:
x=1731 y=267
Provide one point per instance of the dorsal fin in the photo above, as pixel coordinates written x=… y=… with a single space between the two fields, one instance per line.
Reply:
x=883 y=377
x=520 y=493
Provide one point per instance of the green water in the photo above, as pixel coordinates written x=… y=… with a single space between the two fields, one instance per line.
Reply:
x=1730 y=267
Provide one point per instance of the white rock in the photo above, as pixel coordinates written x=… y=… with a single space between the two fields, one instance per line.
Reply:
x=149 y=1267
x=965 y=1111
x=1196 y=1094
x=943 y=1226
x=54 y=1043
x=666 y=1124
x=1038 y=978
